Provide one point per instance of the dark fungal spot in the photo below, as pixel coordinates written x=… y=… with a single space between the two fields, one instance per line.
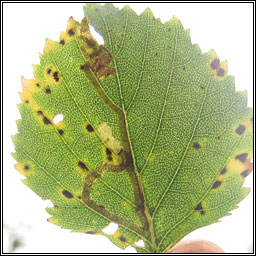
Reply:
x=55 y=206
x=26 y=101
x=169 y=29
x=110 y=158
x=79 y=197
x=67 y=194
x=56 y=78
x=102 y=206
x=37 y=85
x=156 y=54
x=49 y=71
x=82 y=67
x=71 y=32
x=215 y=63
x=82 y=165
x=240 y=129
x=60 y=132
x=220 y=72
x=199 y=207
x=202 y=87
x=123 y=27
x=123 y=239
x=46 y=120
x=218 y=138
x=108 y=151
x=119 y=46
x=26 y=167
x=90 y=232
x=216 y=184
x=184 y=68
x=242 y=157
x=95 y=175
x=223 y=171
x=39 y=112
x=245 y=173
x=48 y=90
x=90 y=42
x=89 y=128
x=202 y=212
x=62 y=42
x=196 y=145
x=110 y=31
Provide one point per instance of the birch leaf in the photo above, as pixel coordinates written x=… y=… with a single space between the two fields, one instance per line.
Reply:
x=144 y=131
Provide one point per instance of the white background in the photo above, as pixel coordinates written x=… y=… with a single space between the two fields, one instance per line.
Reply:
x=225 y=27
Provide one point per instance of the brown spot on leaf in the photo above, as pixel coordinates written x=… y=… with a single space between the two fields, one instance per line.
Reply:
x=62 y=42
x=240 y=129
x=71 y=32
x=122 y=238
x=46 y=120
x=223 y=171
x=216 y=184
x=199 y=207
x=119 y=46
x=60 y=132
x=122 y=35
x=196 y=145
x=67 y=194
x=242 y=157
x=110 y=31
x=220 y=72
x=89 y=128
x=90 y=42
x=82 y=165
x=215 y=63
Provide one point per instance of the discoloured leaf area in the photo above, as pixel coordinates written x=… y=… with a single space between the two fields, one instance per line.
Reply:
x=153 y=136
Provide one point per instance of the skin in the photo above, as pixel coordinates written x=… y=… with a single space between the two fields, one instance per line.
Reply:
x=196 y=246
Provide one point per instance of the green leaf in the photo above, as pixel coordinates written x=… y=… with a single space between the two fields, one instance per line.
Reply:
x=154 y=136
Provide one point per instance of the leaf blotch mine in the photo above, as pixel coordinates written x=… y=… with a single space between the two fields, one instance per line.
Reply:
x=60 y=132
x=82 y=165
x=242 y=157
x=122 y=238
x=199 y=207
x=89 y=128
x=223 y=171
x=240 y=129
x=215 y=63
x=46 y=120
x=196 y=145
x=67 y=194
x=216 y=184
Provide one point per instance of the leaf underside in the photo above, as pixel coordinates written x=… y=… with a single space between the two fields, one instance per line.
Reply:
x=154 y=136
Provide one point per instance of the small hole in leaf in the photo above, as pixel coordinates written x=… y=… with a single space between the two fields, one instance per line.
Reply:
x=110 y=229
x=140 y=243
x=96 y=35
x=57 y=118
